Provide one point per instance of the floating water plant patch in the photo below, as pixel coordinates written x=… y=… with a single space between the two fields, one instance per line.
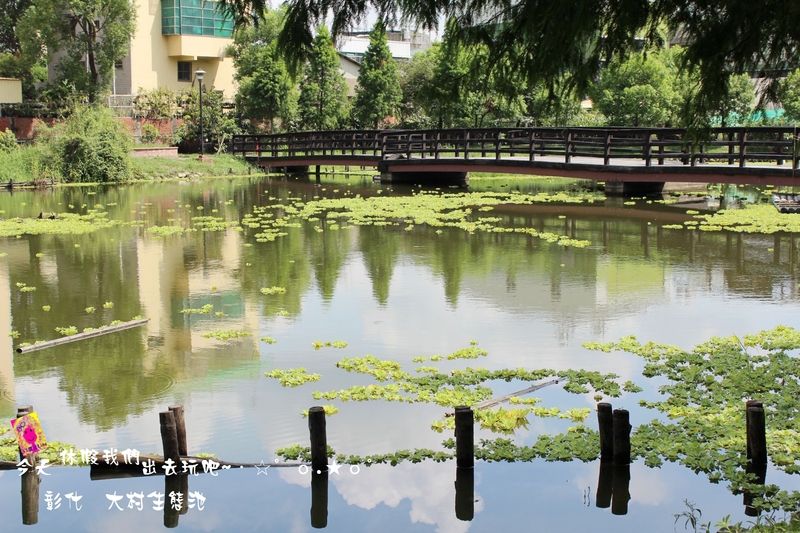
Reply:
x=294 y=377
x=225 y=334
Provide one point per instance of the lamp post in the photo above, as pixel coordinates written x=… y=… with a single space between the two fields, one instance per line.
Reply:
x=200 y=73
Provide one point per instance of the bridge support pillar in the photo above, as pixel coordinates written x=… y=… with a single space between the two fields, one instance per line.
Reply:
x=633 y=188
x=426 y=178
x=298 y=169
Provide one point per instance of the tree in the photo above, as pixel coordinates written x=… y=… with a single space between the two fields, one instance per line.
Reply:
x=464 y=92
x=12 y=10
x=415 y=78
x=266 y=90
x=638 y=92
x=84 y=37
x=543 y=40
x=378 y=91
x=735 y=109
x=790 y=96
x=323 y=93
x=218 y=126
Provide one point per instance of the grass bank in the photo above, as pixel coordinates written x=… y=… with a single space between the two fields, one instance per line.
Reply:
x=151 y=168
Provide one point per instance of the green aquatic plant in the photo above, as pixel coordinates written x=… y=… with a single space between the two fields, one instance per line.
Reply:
x=294 y=377
x=273 y=290
x=329 y=344
x=205 y=310
x=330 y=410
x=90 y=310
x=268 y=340
x=226 y=334
x=69 y=330
x=25 y=288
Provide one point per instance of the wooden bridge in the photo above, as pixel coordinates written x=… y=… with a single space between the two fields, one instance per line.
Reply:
x=762 y=155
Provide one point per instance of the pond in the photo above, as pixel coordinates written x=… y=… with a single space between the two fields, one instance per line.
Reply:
x=282 y=277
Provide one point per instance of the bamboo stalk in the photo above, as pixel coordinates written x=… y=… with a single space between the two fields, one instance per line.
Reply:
x=81 y=336
x=501 y=399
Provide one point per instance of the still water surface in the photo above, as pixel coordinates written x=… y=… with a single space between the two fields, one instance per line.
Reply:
x=385 y=291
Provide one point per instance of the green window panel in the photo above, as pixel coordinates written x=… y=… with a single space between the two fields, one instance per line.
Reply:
x=194 y=17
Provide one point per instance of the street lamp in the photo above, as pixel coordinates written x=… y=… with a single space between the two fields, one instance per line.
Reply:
x=200 y=73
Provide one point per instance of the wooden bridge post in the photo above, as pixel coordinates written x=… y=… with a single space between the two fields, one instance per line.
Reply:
x=424 y=145
x=730 y=148
x=466 y=145
x=756 y=434
x=648 y=148
x=660 y=138
x=532 y=145
x=606 y=148
x=568 y=147
x=436 y=146
x=742 y=147
x=497 y=145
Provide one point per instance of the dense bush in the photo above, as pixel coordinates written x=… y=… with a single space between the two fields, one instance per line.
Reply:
x=90 y=146
x=149 y=134
x=8 y=141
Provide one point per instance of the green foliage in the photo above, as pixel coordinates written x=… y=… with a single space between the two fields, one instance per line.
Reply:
x=149 y=135
x=92 y=34
x=71 y=330
x=268 y=340
x=225 y=334
x=273 y=290
x=90 y=146
x=294 y=377
x=205 y=310
x=464 y=92
x=218 y=126
x=416 y=77
x=160 y=103
x=790 y=96
x=330 y=410
x=323 y=92
x=637 y=92
x=8 y=141
x=704 y=405
x=378 y=92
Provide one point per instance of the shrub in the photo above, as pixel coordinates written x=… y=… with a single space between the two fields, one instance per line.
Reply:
x=8 y=141
x=90 y=146
x=150 y=134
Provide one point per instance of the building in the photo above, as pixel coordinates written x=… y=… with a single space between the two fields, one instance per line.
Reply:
x=173 y=39
x=402 y=43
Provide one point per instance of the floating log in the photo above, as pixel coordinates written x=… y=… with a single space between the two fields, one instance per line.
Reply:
x=169 y=437
x=605 y=421
x=756 y=435
x=81 y=336
x=496 y=401
x=465 y=437
x=465 y=494
x=319 y=439
x=622 y=437
x=180 y=427
x=319 y=499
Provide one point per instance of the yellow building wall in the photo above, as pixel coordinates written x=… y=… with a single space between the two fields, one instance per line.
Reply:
x=154 y=57
x=10 y=91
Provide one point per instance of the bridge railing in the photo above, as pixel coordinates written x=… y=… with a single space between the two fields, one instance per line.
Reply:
x=591 y=146
x=363 y=143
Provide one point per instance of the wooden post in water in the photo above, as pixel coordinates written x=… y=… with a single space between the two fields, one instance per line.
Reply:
x=465 y=494
x=605 y=421
x=319 y=439
x=622 y=437
x=465 y=437
x=748 y=405
x=621 y=489
x=29 y=482
x=756 y=435
x=319 y=499
x=169 y=437
x=605 y=484
x=180 y=428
